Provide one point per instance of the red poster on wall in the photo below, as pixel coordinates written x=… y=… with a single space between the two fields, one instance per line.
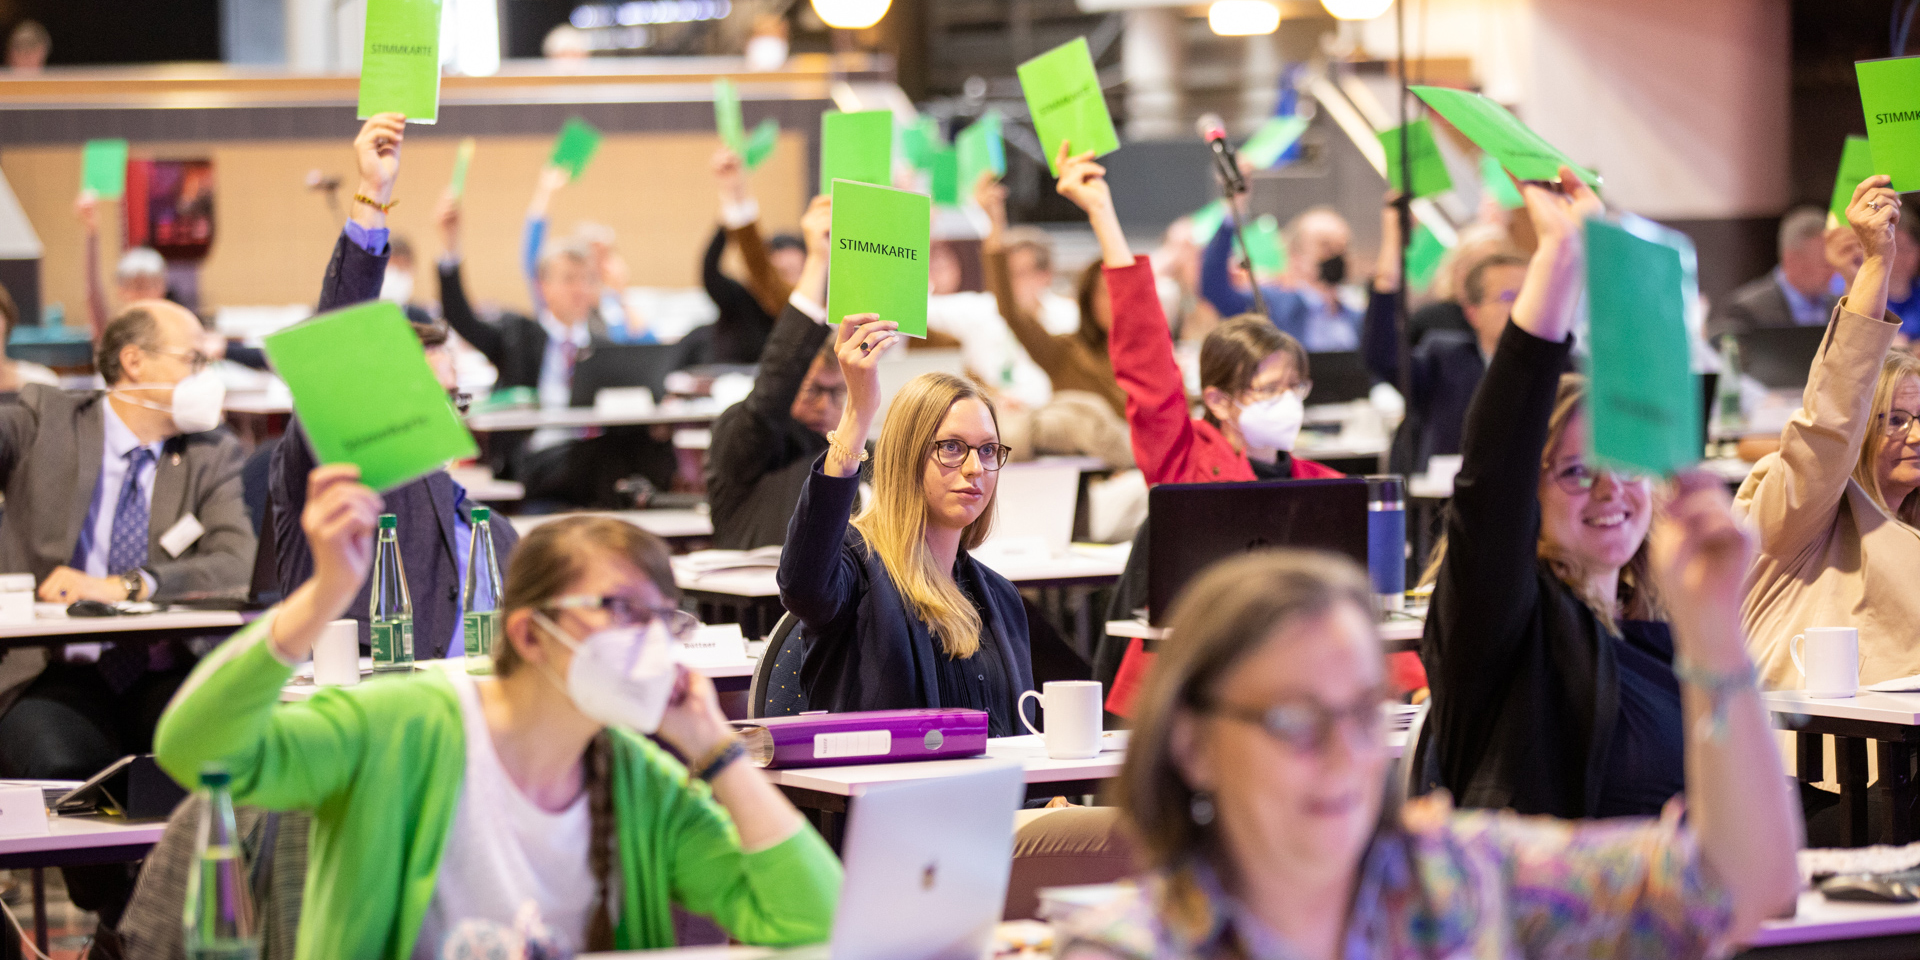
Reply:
x=169 y=207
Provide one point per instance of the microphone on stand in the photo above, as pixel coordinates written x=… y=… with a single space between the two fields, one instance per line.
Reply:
x=1227 y=166
x=1225 y=162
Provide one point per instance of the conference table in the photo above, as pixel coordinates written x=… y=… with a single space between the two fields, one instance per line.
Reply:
x=680 y=528
x=74 y=842
x=1890 y=720
x=535 y=418
x=52 y=626
x=1398 y=633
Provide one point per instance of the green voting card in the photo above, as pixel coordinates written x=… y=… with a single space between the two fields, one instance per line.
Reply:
x=981 y=150
x=400 y=61
x=1494 y=180
x=1423 y=256
x=945 y=170
x=1274 y=138
x=919 y=141
x=1265 y=247
x=103 y=168
x=1430 y=176
x=365 y=395
x=856 y=146
x=462 y=158
x=879 y=261
x=1207 y=221
x=726 y=116
x=1494 y=129
x=1645 y=406
x=1063 y=93
x=1890 y=96
x=578 y=142
x=766 y=136
x=1856 y=164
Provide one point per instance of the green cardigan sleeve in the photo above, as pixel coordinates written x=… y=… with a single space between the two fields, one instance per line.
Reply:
x=781 y=896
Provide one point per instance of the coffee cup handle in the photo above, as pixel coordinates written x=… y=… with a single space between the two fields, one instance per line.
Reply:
x=1793 y=649
x=1021 y=705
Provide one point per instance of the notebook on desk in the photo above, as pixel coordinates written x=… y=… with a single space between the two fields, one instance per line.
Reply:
x=1197 y=524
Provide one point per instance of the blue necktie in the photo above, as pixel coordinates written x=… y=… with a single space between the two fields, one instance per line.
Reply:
x=123 y=663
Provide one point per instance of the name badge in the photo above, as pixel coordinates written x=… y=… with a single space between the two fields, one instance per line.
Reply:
x=181 y=536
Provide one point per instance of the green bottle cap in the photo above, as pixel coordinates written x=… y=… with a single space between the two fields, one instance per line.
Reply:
x=482 y=513
x=388 y=521
x=215 y=776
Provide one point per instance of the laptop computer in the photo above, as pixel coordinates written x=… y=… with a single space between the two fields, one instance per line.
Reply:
x=1197 y=524
x=926 y=866
x=1780 y=357
x=1033 y=506
x=1338 y=377
x=624 y=365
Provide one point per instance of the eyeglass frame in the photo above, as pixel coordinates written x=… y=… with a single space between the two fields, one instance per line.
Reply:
x=993 y=466
x=680 y=626
x=1575 y=488
x=1368 y=715
x=195 y=360
x=810 y=390
x=1251 y=396
x=1887 y=428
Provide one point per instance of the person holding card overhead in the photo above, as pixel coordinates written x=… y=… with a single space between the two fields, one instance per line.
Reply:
x=897 y=615
x=442 y=798
x=1547 y=650
x=1837 y=505
x=747 y=310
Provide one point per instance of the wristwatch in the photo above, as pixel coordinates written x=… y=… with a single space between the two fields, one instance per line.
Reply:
x=132 y=581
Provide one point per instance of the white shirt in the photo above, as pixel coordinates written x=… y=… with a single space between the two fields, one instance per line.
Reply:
x=96 y=534
x=503 y=850
x=988 y=345
x=26 y=371
x=556 y=377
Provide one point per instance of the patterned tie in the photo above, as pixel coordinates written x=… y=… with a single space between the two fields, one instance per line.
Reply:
x=123 y=663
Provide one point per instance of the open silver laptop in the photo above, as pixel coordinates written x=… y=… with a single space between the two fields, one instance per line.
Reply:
x=926 y=872
x=1033 y=506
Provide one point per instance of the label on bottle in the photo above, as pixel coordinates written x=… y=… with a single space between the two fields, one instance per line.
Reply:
x=481 y=627
x=392 y=642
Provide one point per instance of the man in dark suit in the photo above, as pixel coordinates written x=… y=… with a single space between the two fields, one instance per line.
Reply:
x=1796 y=293
x=555 y=464
x=130 y=494
x=435 y=525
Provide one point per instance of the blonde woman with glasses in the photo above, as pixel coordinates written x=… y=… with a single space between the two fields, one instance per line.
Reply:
x=897 y=614
x=1835 y=507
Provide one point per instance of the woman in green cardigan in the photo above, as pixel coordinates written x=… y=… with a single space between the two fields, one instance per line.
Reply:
x=402 y=850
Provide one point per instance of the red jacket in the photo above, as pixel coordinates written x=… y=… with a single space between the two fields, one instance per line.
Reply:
x=1168 y=445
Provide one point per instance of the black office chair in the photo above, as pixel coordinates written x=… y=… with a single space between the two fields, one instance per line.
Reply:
x=775 y=690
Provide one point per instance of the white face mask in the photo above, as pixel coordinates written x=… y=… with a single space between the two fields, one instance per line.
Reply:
x=1273 y=424
x=766 y=53
x=397 y=286
x=196 y=403
x=620 y=676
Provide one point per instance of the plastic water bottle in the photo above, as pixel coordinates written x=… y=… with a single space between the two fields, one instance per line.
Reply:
x=390 y=612
x=480 y=601
x=218 y=922
x=1728 y=418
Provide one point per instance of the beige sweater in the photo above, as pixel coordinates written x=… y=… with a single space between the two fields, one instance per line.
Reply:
x=1830 y=554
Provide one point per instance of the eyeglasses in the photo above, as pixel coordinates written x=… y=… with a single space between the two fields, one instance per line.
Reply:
x=1896 y=423
x=462 y=400
x=1578 y=478
x=1308 y=725
x=953 y=453
x=814 y=391
x=1263 y=394
x=630 y=612
x=194 y=359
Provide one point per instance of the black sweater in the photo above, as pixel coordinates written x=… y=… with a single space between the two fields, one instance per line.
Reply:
x=1525 y=679
x=743 y=326
x=760 y=455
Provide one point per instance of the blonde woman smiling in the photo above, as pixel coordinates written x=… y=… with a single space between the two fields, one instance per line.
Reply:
x=897 y=614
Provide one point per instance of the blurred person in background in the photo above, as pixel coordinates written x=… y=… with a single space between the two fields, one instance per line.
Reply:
x=28 y=46
x=1444 y=311
x=1796 y=293
x=1305 y=303
x=773 y=267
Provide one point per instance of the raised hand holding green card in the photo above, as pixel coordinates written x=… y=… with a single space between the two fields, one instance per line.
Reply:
x=365 y=395
x=1430 y=176
x=1494 y=129
x=1645 y=406
x=726 y=116
x=1856 y=164
x=1063 y=94
x=400 y=61
x=578 y=142
x=879 y=259
x=980 y=150
x=1890 y=97
x=103 y=168
x=856 y=146
x=766 y=136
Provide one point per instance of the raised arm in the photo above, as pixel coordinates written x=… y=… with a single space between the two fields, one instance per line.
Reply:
x=1792 y=500
x=87 y=208
x=1046 y=350
x=459 y=314
x=534 y=235
x=359 y=261
x=1216 y=274
x=740 y=214
x=1380 y=342
x=796 y=338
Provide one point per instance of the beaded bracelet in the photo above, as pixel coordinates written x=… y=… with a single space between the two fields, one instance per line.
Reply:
x=720 y=757
x=1720 y=687
x=840 y=450
x=369 y=201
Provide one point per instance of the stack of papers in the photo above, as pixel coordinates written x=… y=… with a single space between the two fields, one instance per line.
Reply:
x=713 y=561
x=1899 y=685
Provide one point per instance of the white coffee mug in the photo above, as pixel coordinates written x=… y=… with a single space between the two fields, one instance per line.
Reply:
x=1073 y=718
x=1831 y=661
x=336 y=655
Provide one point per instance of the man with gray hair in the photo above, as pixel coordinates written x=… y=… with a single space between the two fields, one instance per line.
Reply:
x=1796 y=293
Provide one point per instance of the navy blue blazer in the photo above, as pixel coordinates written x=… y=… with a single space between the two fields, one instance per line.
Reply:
x=865 y=650
x=425 y=506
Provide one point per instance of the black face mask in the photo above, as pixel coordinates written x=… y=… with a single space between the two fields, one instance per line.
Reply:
x=1333 y=270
